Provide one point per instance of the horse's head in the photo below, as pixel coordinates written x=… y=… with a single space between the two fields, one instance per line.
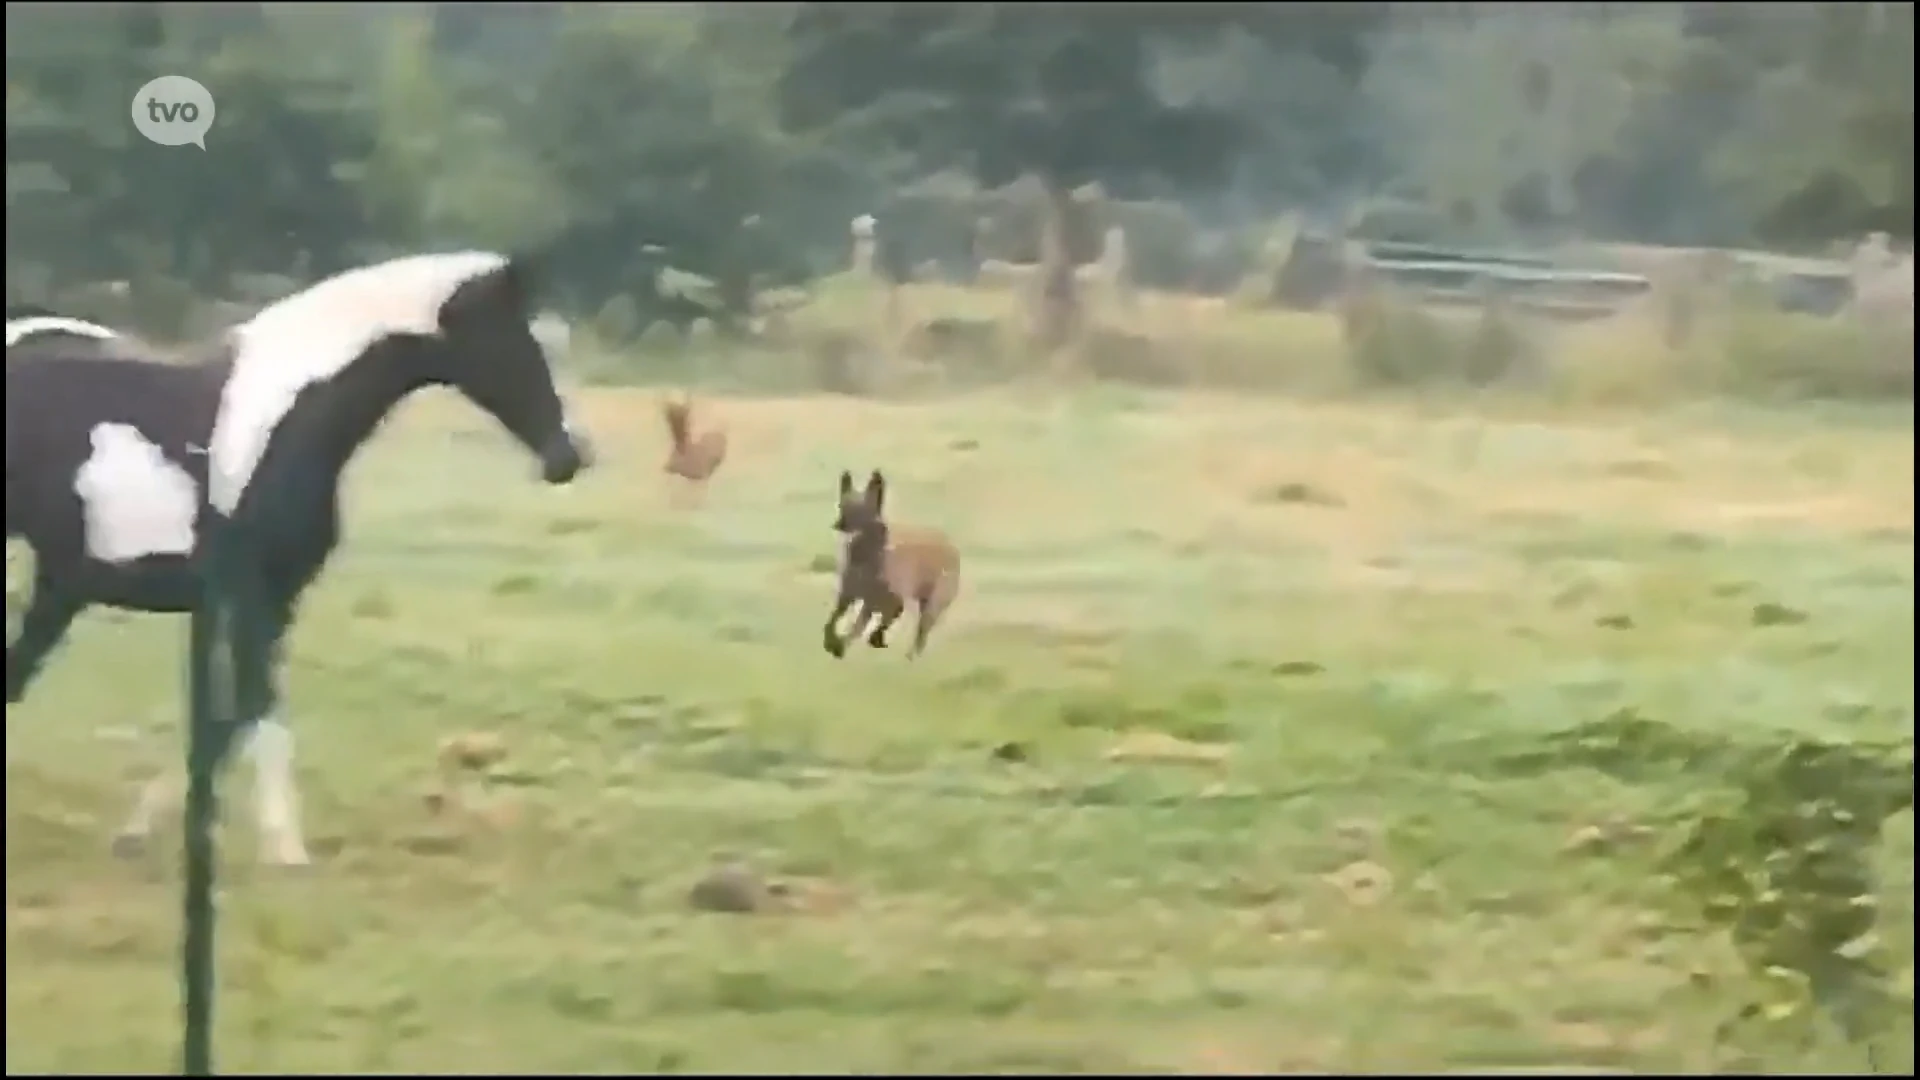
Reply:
x=354 y=344
x=487 y=350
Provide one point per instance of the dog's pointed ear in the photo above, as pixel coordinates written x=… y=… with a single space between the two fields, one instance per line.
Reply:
x=876 y=491
x=846 y=484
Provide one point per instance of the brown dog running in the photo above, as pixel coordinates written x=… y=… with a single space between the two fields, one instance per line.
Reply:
x=883 y=566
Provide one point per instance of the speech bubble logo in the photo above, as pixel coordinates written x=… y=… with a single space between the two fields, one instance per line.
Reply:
x=173 y=110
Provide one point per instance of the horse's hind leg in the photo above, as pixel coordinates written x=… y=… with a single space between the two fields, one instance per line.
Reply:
x=157 y=795
x=42 y=628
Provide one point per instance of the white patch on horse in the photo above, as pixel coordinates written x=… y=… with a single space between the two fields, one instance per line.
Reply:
x=136 y=502
x=19 y=330
x=311 y=337
x=552 y=332
x=276 y=794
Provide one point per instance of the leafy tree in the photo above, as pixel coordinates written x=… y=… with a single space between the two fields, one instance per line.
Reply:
x=649 y=147
x=1823 y=143
x=603 y=132
x=1550 y=95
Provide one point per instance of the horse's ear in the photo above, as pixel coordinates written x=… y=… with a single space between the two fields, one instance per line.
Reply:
x=876 y=491
x=846 y=485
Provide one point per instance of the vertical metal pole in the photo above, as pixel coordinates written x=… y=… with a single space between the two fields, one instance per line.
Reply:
x=206 y=735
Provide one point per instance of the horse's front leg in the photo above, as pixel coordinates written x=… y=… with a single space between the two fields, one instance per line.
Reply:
x=42 y=628
x=269 y=741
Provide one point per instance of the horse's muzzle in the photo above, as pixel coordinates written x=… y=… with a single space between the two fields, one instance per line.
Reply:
x=564 y=456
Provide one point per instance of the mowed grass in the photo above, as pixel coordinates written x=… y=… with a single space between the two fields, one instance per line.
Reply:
x=1351 y=610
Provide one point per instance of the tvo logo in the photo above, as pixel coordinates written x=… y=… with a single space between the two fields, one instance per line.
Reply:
x=173 y=110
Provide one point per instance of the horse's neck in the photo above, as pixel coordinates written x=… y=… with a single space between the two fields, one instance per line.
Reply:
x=354 y=420
x=325 y=431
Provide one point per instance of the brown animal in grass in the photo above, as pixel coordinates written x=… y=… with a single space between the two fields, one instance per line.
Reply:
x=692 y=457
x=883 y=567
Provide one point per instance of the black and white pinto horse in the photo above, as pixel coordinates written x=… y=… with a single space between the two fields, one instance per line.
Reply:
x=109 y=457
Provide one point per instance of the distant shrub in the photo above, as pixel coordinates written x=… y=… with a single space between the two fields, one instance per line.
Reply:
x=1774 y=355
x=1499 y=347
x=1630 y=359
x=1162 y=243
x=1393 y=342
x=836 y=362
x=1119 y=356
x=618 y=321
x=967 y=349
x=1305 y=275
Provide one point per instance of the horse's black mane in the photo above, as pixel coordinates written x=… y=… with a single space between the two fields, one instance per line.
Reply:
x=29 y=311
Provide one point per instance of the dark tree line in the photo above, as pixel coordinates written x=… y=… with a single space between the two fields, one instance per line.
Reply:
x=724 y=139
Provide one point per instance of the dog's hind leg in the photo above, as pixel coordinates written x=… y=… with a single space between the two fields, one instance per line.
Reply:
x=933 y=604
x=923 y=623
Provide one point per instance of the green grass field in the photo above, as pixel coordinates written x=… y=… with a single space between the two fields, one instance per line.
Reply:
x=1342 y=615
